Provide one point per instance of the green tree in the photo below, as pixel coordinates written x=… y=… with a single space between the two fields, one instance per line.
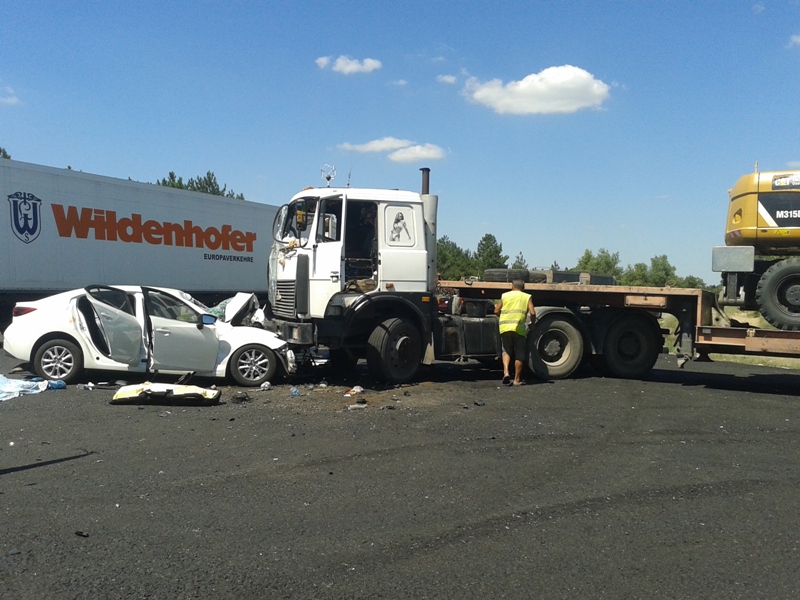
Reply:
x=635 y=275
x=489 y=254
x=662 y=273
x=604 y=263
x=520 y=262
x=453 y=262
x=4 y=154
x=207 y=184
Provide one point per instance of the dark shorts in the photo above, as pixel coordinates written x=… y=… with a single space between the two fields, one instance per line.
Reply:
x=513 y=345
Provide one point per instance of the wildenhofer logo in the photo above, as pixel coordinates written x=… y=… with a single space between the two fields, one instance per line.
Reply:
x=26 y=219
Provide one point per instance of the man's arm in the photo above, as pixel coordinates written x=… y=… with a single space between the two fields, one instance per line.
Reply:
x=531 y=310
x=497 y=307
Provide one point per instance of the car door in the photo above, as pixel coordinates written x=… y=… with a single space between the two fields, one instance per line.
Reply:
x=181 y=342
x=117 y=324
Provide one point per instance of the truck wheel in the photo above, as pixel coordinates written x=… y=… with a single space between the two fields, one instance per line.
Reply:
x=631 y=347
x=778 y=294
x=252 y=365
x=505 y=275
x=58 y=359
x=555 y=348
x=394 y=351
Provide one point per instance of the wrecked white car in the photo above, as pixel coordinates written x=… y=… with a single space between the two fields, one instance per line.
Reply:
x=144 y=330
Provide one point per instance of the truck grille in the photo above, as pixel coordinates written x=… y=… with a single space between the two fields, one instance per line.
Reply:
x=284 y=300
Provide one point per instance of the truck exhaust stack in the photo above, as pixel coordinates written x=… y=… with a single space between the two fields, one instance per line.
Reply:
x=426 y=180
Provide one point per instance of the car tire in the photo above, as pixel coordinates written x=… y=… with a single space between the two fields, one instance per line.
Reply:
x=253 y=365
x=58 y=359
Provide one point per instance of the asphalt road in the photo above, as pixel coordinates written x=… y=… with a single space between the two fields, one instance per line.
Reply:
x=684 y=485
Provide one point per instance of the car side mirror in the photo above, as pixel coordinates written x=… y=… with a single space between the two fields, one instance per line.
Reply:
x=206 y=320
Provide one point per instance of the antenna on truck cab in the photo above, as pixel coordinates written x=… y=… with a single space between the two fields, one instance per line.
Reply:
x=328 y=173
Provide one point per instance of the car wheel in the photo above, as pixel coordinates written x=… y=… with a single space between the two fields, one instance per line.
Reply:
x=58 y=359
x=252 y=365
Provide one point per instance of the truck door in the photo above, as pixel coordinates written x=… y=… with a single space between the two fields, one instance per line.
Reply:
x=117 y=324
x=402 y=258
x=180 y=342
x=326 y=271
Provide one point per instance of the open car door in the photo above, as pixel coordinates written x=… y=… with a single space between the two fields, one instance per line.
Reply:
x=117 y=326
x=181 y=342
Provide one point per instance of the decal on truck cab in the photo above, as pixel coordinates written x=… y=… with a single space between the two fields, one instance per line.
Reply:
x=25 y=216
x=106 y=226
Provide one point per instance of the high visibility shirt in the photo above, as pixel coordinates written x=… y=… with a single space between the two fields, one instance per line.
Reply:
x=514 y=311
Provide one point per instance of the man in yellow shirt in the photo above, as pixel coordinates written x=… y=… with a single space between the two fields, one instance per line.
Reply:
x=513 y=308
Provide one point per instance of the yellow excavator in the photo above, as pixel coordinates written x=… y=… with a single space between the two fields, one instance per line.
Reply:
x=760 y=262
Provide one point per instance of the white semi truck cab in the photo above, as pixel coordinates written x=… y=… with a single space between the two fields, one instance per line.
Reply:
x=355 y=270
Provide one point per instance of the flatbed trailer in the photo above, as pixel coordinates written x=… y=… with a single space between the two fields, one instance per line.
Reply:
x=702 y=327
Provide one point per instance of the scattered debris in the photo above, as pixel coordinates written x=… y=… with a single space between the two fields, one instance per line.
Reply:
x=356 y=390
x=163 y=393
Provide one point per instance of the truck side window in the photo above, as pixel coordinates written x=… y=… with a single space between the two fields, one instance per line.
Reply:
x=359 y=239
x=329 y=221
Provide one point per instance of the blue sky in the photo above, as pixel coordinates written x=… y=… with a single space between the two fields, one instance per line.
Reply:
x=557 y=126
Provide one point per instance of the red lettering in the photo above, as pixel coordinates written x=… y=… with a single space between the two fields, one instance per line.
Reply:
x=70 y=223
x=74 y=222
x=151 y=230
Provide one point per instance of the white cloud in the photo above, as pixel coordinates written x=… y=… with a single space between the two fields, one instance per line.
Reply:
x=386 y=144
x=451 y=79
x=347 y=66
x=8 y=97
x=565 y=89
x=398 y=150
x=794 y=41
x=795 y=164
x=399 y=82
x=417 y=152
x=758 y=8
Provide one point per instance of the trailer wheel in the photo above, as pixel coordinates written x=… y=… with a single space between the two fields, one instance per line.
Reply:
x=778 y=294
x=252 y=365
x=631 y=346
x=394 y=351
x=58 y=359
x=555 y=348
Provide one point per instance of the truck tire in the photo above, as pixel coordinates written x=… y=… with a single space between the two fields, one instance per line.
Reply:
x=506 y=275
x=394 y=351
x=252 y=365
x=58 y=359
x=778 y=294
x=555 y=347
x=631 y=347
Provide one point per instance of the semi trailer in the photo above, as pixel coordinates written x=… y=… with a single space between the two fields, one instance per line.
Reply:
x=354 y=270
x=64 y=229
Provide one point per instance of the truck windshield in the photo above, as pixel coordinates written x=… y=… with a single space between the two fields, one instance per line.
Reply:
x=294 y=221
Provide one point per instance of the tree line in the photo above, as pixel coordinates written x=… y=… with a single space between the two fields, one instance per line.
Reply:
x=206 y=184
x=454 y=263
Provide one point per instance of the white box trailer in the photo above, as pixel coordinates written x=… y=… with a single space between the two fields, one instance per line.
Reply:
x=63 y=229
